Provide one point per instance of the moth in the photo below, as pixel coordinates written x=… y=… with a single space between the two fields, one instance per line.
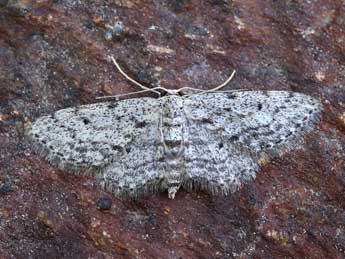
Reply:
x=213 y=141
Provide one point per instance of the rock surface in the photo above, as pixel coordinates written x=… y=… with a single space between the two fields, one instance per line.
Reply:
x=54 y=54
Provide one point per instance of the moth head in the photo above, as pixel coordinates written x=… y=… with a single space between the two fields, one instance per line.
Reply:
x=172 y=91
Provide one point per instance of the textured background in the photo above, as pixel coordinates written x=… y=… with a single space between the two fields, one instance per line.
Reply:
x=53 y=54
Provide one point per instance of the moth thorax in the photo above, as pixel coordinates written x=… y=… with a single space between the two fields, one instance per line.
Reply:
x=173 y=154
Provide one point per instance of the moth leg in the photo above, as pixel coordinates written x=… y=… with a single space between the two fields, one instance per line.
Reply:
x=136 y=92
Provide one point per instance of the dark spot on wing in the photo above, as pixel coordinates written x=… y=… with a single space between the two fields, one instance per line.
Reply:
x=71 y=145
x=234 y=138
x=231 y=96
x=116 y=147
x=279 y=141
x=112 y=105
x=86 y=121
x=289 y=134
x=220 y=145
x=140 y=124
x=279 y=126
x=207 y=121
x=259 y=106
x=128 y=149
x=81 y=149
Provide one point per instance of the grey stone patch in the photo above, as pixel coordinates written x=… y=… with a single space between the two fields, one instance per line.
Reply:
x=212 y=141
x=104 y=203
x=6 y=187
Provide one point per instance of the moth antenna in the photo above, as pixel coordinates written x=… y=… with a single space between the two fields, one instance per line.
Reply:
x=127 y=76
x=214 y=89
x=169 y=91
x=223 y=84
x=144 y=88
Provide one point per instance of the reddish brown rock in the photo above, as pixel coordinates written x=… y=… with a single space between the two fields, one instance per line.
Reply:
x=54 y=54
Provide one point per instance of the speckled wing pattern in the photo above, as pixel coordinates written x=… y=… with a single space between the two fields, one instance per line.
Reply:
x=93 y=136
x=229 y=135
x=211 y=141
